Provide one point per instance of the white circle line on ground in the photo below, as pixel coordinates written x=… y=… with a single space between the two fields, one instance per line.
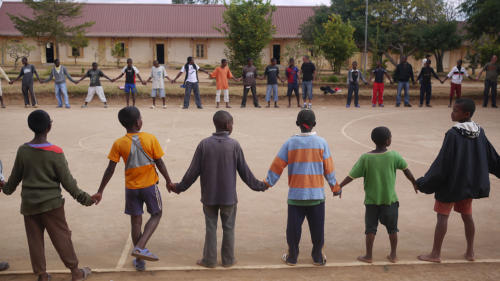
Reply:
x=348 y=124
x=125 y=253
x=261 y=267
x=84 y=147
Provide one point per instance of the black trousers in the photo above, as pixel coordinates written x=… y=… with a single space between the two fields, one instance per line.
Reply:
x=353 y=88
x=490 y=86
x=316 y=219
x=27 y=91
x=245 y=94
x=425 y=90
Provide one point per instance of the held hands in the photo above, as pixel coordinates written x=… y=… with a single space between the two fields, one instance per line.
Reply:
x=171 y=187
x=338 y=193
x=96 y=198
x=11 y=82
x=415 y=187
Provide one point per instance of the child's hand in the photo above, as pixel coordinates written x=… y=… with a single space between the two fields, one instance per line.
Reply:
x=2 y=184
x=415 y=186
x=96 y=198
x=339 y=194
x=170 y=187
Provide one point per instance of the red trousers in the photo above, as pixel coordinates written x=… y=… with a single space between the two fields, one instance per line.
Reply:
x=378 y=90
x=456 y=88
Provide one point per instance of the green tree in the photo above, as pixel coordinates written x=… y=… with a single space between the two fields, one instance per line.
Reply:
x=336 y=41
x=438 y=38
x=17 y=50
x=486 y=47
x=77 y=43
x=118 y=52
x=482 y=18
x=248 y=28
x=50 y=21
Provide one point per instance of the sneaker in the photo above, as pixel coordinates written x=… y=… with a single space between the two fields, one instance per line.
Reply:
x=164 y=106
x=374 y=105
x=258 y=106
x=310 y=106
x=428 y=105
x=358 y=106
x=35 y=106
x=381 y=105
x=185 y=107
x=26 y=106
x=85 y=106
x=200 y=107
x=494 y=106
x=398 y=105
x=243 y=106
x=152 y=107
x=347 y=105
x=276 y=106
x=407 y=105
x=284 y=258
x=68 y=106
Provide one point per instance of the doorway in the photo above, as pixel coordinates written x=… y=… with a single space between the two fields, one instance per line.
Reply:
x=49 y=53
x=277 y=53
x=160 y=53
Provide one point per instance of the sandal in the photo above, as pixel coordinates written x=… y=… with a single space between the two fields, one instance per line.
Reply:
x=139 y=265
x=144 y=254
x=86 y=271
x=284 y=258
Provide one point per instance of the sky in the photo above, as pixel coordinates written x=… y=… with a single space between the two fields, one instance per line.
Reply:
x=276 y=2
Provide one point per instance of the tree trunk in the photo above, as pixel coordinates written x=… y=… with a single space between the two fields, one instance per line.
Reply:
x=56 y=46
x=438 y=54
x=391 y=60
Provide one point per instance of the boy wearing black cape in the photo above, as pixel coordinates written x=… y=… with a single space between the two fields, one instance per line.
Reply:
x=459 y=174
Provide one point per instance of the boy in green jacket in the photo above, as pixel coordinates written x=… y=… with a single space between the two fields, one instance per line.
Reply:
x=42 y=168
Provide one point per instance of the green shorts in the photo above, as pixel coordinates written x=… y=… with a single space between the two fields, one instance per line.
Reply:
x=386 y=214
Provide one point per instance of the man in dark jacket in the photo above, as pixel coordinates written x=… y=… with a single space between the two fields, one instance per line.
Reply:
x=403 y=74
x=459 y=174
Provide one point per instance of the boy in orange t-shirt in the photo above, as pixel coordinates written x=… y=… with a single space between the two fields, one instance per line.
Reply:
x=142 y=154
x=221 y=75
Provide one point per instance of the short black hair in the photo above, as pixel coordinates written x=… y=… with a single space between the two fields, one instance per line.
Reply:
x=306 y=118
x=249 y=59
x=467 y=105
x=274 y=59
x=428 y=62
x=380 y=135
x=221 y=118
x=291 y=60
x=39 y=121
x=129 y=60
x=128 y=116
x=223 y=60
x=94 y=63
x=189 y=59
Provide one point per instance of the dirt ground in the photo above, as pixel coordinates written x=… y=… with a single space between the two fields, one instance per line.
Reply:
x=101 y=233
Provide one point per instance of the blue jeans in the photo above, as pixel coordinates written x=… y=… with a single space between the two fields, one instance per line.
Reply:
x=406 y=86
x=187 y=94
x=307 y=90
x=61 y=91
x=272 y=88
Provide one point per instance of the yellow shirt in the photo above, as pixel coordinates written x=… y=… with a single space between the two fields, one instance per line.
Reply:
x=141 y=176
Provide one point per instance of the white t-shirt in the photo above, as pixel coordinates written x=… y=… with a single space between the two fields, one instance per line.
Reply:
x=457 y=75
x=158 y=74
x=191 y=73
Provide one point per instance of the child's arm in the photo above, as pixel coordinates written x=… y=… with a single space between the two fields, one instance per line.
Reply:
x=105 y=76
x=410 y=177
x=69 y=183
x=48 y=78
x=68 y=75
x=493 y=160
x=192 y=173
x=277 y=167
x=36 y=74
x=388 y=77
x=163 y=170
x=119 y=76
x=15 y=176
x=21 y=73
x=140 y=79
x=345 y=182
x=108 y=174
x=329 y=170
x=246 y=174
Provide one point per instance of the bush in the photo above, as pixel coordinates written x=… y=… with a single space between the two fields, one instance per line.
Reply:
x=330 y=78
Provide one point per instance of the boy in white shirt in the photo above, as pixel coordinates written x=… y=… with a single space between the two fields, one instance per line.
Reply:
x=158 y=73
x=191 y=82
x=4 y=75
x=456 y=74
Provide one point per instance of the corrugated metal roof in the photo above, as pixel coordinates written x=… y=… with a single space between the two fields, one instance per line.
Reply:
x=159 y=20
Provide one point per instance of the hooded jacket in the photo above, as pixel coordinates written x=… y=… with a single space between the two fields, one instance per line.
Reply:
x=461 y=169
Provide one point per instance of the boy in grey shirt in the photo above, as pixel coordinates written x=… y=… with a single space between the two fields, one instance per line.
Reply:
x=27 y=71
x=216 y=160
x=353 y=77
x=59 y=73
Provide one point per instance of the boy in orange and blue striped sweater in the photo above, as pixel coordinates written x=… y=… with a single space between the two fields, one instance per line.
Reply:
x=309 y=160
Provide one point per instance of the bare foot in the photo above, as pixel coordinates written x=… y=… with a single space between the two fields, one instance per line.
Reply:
x=429 y=258
x=469 y=257
x=392 y=259
x=365 y=259
x=201 y=263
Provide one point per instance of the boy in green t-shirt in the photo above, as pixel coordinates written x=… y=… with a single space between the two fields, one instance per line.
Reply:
x=378 y=167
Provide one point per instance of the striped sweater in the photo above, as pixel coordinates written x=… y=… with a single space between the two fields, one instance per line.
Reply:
x=309 y=160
